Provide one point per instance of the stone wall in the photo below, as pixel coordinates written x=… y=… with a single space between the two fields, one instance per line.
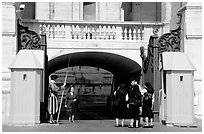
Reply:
x=192 y=41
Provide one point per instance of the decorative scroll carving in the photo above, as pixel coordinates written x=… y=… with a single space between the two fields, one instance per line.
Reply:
x=27 y=39
x=170 y=41
x=167 y=42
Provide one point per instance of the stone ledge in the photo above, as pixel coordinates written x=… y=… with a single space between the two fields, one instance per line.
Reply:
x=193 y=36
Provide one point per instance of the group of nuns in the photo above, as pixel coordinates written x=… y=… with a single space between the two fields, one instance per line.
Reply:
x=134 y=103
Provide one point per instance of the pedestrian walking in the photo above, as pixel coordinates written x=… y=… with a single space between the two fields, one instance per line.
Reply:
x=53 y=98
x=147 y=106
x=70 y=104
x=120 y=105
x=134 y=103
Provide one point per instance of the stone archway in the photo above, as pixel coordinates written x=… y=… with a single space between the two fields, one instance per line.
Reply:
x=122 y=67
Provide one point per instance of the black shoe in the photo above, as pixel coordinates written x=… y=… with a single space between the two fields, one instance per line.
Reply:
x=116 y=125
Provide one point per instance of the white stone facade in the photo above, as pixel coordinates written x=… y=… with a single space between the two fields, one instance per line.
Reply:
x=107 y=12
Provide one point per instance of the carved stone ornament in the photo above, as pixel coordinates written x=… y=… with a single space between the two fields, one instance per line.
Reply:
x=28 y=39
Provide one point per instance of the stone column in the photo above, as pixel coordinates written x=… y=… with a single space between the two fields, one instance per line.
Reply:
x=113 y=11
x=81 y=18
x=42 y=10
x=76 y=11
x=63 y=11
x=166 y=16
x=122 y=18
x=102 y=11
x=9 y=47
x=97 y=11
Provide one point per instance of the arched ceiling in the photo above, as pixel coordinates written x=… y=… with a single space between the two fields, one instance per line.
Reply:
x=120 y=66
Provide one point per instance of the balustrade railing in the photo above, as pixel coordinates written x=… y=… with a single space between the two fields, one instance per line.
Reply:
x=96 y=30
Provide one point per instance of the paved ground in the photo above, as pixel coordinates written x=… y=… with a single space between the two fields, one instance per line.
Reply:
x=96 y=119
x=95 y=126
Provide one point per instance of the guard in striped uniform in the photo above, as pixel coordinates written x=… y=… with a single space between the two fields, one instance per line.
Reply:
x=53 y=97
x=52 y=106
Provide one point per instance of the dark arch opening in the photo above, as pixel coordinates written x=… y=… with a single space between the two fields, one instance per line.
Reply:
x=121 y=67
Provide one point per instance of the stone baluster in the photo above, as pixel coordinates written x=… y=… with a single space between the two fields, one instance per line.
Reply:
x=57 y=31
x=119 y=32
x=125 y=34
x=130 y=34
x=100 y=32
x=74 y=32
x=93 y=33
x=78 y=32
x=81 y=32
x=62 y=31
x=138 y=33
x=142 y=33
x=88 y=33
x=134 y=34
x=51 y=32
x=114 y=32
x=97 y=33
x=71 y=31
x=108 y=33
x=104 y=32
x=84 y=33
x=68 y=30
x=54 y=31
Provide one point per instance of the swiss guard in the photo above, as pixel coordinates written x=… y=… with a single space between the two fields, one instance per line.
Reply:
x=53 y=97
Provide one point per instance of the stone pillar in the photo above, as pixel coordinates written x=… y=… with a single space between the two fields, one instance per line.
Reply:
x=81 y=14
x=113 y=11
x=75 y=11
x=166 y=16
x=97 y=11
x=122 y=13
x=102 y=11
x=42 y=10
x=63 y=11
x=191 y=24
x=9 y=47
